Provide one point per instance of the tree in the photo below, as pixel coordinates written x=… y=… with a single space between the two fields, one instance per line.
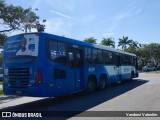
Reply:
x=90 y=40
x=135 y=44
x=124 y=42
x=133 y=47
x=17 y=18
x=108 y=42
x=2 y=38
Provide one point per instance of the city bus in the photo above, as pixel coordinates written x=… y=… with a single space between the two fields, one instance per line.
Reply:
x=46 y=65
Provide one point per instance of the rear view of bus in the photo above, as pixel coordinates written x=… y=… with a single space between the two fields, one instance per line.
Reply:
x=22 y=71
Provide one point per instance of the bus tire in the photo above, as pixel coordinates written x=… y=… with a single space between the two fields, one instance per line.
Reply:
x=103 y=80
x=132 y=75
x=91 y=85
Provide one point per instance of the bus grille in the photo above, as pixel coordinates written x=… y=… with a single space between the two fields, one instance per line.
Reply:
x=19 y=77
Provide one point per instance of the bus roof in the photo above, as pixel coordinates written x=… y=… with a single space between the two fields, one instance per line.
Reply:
x=113 y=50
x=61 y=38
x=91 y=45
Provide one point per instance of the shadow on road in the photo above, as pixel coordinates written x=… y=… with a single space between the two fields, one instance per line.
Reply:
x=78 y=101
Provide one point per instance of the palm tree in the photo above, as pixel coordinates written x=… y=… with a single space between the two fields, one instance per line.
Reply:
x=2 y=38
x=108 y=42
x=135 y=44
x=124 y=42
x=91 y=40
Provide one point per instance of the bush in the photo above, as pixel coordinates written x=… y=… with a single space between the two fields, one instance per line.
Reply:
x=0 y=60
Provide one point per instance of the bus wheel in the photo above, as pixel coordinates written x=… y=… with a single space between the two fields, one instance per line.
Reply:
x=91 y=86
x=132 y=75
x=103 y=82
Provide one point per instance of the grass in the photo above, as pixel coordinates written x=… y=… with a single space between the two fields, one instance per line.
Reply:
x=157 y=71
x=1 y=92
x=1 y=83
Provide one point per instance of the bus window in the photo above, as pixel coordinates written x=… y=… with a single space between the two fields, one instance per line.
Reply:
x=132 y=60
x=135 y=62
x=126 y=59
x=59 y=74
x=71 y=59
x=108 y=57
x=78 y=59
x=122 y=59
x=53 y=50
x=94 y=56
x=100 y=57
x=57 y=52
x=88 y=56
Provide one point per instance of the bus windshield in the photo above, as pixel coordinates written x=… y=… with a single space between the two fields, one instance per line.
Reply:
x=21 y=45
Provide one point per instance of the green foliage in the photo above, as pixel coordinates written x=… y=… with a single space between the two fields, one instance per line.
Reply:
x=17 y=18
x=148 y=53
x=2 y=38
x=124 y=42
x=108 y=42
x=131 y=49
x=1 y=92
x=90 y=40
x=0 y=60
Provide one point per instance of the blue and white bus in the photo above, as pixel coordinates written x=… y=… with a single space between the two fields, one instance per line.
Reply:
x=46 y=65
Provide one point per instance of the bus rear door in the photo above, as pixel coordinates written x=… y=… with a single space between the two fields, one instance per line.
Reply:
x=75 y=57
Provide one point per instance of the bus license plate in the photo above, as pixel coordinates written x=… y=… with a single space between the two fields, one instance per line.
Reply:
x=19 y=92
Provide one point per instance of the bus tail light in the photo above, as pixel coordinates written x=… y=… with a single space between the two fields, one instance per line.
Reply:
x=38 y=77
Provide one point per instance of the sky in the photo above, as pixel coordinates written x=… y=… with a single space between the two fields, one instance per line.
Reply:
x=80 y=19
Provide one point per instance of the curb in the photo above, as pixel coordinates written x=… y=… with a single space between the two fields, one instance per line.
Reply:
x=8 y=97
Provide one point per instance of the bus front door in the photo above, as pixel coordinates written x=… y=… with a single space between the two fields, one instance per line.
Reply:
x=75 y=57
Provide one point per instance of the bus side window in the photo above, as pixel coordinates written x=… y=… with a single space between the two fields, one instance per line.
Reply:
x=52 y=50
x=106 y=57
x=118 y=60
x=100 y=57
x=132 y=60
x=70 y=59
x=136 y=63
x=88 y=56
x=115 y=59
x=78 y=60
x=94 y=56
x=122 y=59
x=110 y=57
x=57 y=52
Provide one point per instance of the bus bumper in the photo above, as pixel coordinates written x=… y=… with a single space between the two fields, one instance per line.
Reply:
x=35 y=91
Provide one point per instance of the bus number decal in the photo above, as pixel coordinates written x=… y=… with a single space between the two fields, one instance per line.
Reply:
x=75 y=46
x=91 y=69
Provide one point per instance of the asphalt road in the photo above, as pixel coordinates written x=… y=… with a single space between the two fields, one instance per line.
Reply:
x=141 y=94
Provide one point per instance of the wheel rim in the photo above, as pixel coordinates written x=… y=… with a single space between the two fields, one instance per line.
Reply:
x=91 y=86
x=103 y=83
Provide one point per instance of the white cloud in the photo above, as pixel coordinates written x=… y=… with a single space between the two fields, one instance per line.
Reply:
x=109 y=34
x=36 y=4
x=58 y=26
x=88 y=19
x=138 y=11
x=61 y=14
x=61 y=5
x=127 y=12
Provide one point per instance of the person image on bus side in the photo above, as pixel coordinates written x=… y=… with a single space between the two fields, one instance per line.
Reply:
x=23 y=50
